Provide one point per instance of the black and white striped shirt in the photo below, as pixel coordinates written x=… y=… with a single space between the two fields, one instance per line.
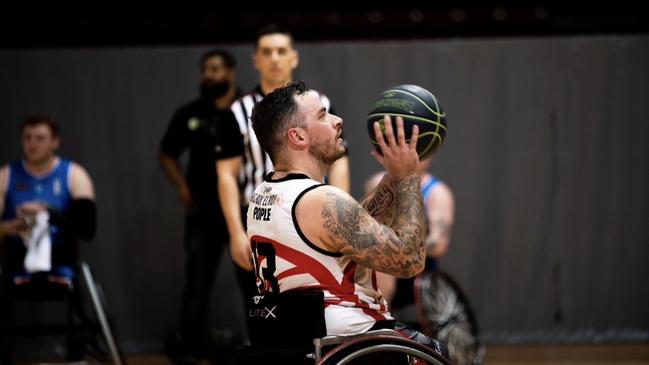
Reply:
x=256 y=163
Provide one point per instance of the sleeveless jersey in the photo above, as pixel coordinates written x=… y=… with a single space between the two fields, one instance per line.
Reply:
x=52 y=189
x=285 y=260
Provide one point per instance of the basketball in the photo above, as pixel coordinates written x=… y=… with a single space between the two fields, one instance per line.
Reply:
x=417 y=106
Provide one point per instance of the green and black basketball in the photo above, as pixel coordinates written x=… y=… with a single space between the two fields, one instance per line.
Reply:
x=415 y=105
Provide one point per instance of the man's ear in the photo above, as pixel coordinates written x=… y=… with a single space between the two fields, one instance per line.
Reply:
x=296 y=136
x=57 y=143
x=254 y=61
x=296 y=60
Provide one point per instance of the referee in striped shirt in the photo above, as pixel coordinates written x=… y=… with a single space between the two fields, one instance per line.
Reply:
x=275 y=58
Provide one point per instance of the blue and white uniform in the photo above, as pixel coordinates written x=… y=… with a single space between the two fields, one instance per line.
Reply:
x=53 y=189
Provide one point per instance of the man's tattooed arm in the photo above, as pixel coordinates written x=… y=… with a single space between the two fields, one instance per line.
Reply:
x=380 y=202
x=397 y=250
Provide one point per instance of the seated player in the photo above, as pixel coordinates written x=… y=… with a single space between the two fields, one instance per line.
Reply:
x=306 y=235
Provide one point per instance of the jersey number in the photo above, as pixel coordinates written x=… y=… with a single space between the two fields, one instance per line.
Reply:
x=266 y=280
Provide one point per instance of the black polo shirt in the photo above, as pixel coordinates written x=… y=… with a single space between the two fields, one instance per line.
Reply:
x=210 y=134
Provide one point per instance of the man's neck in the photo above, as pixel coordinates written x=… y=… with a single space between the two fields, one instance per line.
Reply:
x=41 y=167
x=310 y=168
x=226 y=100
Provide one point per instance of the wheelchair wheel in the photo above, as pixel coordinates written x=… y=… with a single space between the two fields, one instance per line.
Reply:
x=103 y=348
x=446 y=314
x=382 y=349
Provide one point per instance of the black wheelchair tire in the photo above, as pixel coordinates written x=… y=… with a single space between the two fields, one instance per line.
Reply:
x=352 y=350
x=445 y=313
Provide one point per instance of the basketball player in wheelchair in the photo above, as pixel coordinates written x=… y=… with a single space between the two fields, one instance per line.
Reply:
x=47 y=205
x=316 y=249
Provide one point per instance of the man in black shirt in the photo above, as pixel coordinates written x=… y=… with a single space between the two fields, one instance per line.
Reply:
x=207 y=128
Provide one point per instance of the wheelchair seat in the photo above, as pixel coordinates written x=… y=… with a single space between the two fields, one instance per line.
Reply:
x=52 y=285
x=62 y=284
x=282 y=328
x=63 y=275
x=289 y=328
x=294 y=318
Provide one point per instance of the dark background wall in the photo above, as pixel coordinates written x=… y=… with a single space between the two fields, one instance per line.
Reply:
x=547 y=154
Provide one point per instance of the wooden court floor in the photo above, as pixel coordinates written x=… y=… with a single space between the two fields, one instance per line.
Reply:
x=609 y=354
x=568 y=354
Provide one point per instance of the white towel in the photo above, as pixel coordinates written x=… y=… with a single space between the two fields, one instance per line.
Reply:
x=39 y=244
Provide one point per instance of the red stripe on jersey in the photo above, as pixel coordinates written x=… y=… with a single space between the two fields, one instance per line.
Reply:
x=290 y=272
x=374 y=314
x=348 y=274
x=305 y=264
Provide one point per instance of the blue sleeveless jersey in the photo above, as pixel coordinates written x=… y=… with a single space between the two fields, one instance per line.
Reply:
x=428 y=188
x=52 y=189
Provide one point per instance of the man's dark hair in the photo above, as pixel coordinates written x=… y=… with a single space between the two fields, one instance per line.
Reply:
x=276 y=113
x=228 y=60
x=38 y=119
x=273 y=28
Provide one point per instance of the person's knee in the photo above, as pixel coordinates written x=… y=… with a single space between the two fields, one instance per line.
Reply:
x=437 y=345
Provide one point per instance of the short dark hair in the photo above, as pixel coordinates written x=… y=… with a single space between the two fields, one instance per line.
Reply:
x=273 y=28
x=33 y=120
x=228 y=60
x=274 y=114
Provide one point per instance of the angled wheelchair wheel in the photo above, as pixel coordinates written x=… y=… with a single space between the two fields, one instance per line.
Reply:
x=446 y=314
x=382 y=349
x=104 y=348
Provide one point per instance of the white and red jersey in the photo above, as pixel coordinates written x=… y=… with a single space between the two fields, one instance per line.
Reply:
x=285 y=260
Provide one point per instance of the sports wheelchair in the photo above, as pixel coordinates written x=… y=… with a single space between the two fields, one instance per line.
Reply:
x=76 y=288
x=289 y=328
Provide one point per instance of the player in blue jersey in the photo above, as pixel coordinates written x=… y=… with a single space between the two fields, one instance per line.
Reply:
x=44 y=189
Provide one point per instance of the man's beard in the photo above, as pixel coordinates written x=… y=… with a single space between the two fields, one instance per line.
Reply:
x=211 y=90
x=327 y=153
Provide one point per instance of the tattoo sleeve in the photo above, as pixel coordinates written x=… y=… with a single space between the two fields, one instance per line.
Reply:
x=380 y=202
x=397 y=249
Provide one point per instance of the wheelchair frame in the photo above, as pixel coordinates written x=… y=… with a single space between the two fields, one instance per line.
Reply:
x=350 y=348
x=282 y=322
x=98 y=302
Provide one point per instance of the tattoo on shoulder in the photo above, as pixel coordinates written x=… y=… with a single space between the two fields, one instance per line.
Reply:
x=343 y=220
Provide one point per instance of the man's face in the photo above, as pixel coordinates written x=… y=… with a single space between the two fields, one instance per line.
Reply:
x=214 y=69
x=39 y=144
x=275 y=59
x=216 y=78
x=324 y=129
